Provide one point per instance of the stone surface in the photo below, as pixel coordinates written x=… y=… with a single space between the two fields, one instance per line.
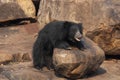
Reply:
x=5 y=57
x=2 y=77
x=25 y=71
x=94 y=14
x=76 y=63
x=16 y=42
x=14 y=9
x=108 y=38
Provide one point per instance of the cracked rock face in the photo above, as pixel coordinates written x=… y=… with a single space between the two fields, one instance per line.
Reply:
x=94 y=14
x=76 y=63
x=108 y=38
x=14 y=9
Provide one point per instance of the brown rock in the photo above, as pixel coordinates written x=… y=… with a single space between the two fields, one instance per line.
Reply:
x=76 y=63
x=20 y=57
x=25 y=71
x=16 y=42
x=28 y=7
x=92 y=13
x=107 y=38
x=5 y=57
x=14 y=9
x=2 y=77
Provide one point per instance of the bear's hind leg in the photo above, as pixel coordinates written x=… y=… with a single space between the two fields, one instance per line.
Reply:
x=48 y=56
x=49 y=62
x=38 y=55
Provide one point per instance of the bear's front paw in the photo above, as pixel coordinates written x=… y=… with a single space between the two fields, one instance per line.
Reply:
x=82 y=48
x=39 y=68
x=68 y=48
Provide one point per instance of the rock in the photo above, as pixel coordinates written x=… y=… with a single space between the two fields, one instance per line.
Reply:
x=94 y=14
x=5 y=57
x=28 y=7
x=25 y=71
x=16 y=43
x=108 y=38
x=2 y=77
x=14 y=9
x=20 y=57
x=76 y=63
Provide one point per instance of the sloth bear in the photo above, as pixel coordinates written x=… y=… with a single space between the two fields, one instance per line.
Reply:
x=56 y=34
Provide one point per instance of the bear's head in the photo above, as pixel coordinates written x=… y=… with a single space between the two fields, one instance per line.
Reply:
x=75 y=31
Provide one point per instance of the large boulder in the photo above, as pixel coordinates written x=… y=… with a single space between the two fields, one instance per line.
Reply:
x=14 y=9
x=94 y=14
x=108 y=38
x=76 y=63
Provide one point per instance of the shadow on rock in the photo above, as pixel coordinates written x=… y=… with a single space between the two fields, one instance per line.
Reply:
x=15 y=22
x=99 y=72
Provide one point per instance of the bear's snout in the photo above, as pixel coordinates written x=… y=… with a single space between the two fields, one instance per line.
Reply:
x=78 y=36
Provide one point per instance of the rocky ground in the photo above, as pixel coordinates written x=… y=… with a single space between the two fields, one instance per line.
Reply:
x=15 y=59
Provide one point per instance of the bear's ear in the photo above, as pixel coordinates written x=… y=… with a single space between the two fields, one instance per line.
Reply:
x=67 y=24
